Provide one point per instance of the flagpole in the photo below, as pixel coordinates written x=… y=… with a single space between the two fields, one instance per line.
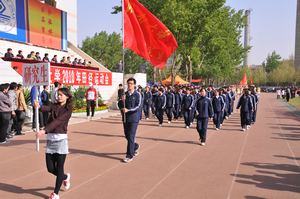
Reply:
x=123 y=54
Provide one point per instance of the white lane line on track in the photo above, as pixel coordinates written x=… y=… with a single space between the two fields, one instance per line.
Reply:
x=114 y=167
x=237 y=166
x=169 y=174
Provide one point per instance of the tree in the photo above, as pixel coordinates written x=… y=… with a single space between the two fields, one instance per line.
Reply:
x=272 y=61
x=284 y=74
x=105 y=48
x=259 y=76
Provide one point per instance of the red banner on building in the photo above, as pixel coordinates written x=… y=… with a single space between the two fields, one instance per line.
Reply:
x=79 y=77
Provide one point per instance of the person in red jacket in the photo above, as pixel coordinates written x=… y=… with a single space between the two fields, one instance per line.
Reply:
x=91 y=97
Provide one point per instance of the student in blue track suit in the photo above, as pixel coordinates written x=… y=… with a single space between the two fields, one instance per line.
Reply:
x=232 y=96
x=187 y=105
x=254 y=98
x=218 y=107
x=221 y=93
x=147 y=102
x=246 y=107
x=170 y=103
x=140 y=90
x=205 y=111
x=196 y=96
x=154 y=96
x=131 y=117
x=178 y=101
x=160 y=105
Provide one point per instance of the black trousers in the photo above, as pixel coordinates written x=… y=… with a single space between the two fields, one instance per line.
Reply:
x=160 y=115
x=187 y=117
x=146 y=108
x=130 y=133
x=41 y=121
x=202 y=124
x=55 y=165
x=176 y=111
x=245 y=119
x=20 y=121
x=217 y=119
x=90 y=105
x=4 y=122
x=169 y=112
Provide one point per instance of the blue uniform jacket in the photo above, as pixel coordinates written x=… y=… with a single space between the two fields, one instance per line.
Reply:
x=187 y=102
x=160 y=102
x=170 y=100
x=178 y=98
x=204 y=107
x=132 y=103
x=218 y=104
x=147 y=98
x=245 y=103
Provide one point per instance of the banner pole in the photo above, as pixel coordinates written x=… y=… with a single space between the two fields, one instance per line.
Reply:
x=123 y=54
x=37 y=120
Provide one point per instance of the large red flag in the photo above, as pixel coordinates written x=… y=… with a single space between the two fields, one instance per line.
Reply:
x=146 y=35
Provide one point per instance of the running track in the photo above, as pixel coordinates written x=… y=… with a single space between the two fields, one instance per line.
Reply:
x=262 y=163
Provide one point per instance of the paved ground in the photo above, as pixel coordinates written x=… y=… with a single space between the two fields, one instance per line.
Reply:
x=261 y=163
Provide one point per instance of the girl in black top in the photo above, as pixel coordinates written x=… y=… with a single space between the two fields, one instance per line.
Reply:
x=57 y=139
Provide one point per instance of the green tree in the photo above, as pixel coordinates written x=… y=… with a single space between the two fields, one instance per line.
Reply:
x=272 y=61
x=105 y=48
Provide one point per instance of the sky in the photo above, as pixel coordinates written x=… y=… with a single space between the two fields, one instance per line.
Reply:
x=273 y=24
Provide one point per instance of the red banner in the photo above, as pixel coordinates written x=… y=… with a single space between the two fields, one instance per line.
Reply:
x=35 y=74
x=79 y=77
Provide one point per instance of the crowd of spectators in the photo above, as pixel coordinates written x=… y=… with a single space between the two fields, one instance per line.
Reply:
x=13 y=108
x=36 y=56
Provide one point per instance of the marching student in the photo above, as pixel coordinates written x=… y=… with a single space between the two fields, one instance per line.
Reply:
x=130 y=105
x=140 y=90
x=170 y=103
x=147 y=102
x=221 y=93
x=178 y=101
x=57 y=138
x=160 y=105
x=232 y=95
x=187 y=104
x=254 y=97
x=218 y=107
x=205 y=111
x=154 y=96
x=210 y=92
x=246 y=107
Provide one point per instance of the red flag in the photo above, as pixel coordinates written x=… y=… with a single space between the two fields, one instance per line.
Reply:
x=244 y=80
x=146 y=35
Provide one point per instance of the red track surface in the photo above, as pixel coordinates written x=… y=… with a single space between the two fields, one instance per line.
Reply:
x=262 y=163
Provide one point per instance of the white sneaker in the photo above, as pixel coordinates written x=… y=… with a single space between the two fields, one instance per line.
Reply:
x=137 y=152
x=127 y=160
x=217 y=129
x=67 y=182
x=187 y=127
x=202 y=143
x=169 y=122
x=243 y=129
x=248 y=127
x=160 y=125
x=54 y=196
x=147 y=118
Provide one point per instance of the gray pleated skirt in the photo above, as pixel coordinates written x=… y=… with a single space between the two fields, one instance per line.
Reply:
x=57 y=146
